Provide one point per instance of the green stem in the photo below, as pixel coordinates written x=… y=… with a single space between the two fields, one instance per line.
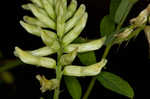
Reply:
x=58 y=72
x=12 y=63
x=87 y=93
x=92 y=83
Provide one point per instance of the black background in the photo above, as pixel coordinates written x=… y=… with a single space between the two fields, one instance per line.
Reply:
x=130 y=62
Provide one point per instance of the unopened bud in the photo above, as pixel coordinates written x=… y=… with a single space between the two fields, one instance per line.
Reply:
x=76 y=31
x=37 y=2
x=34 y=21
x=67 y=59
x=40 y=14
x=71 y=9
x=73 y=21
x=49 y=8
x=47 y=38
x=32 y=29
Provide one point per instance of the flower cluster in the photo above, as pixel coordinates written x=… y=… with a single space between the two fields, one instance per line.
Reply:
x=58 y=25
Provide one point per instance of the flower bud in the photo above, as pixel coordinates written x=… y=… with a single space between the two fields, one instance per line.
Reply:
x=75 y=32
x=47 y=38
x=67 y=59
x=85 y=47
x=71 y=9
x=44 y=51
x=57 y=6
x=60 y=20
x=27 y=7
x=91 y=70
x=50 y=33
x=72 y=22
x=141 y=18
x=37 y=2
x=49 y=8
x=28 y=58
x=51 y=2
x=42 y=17
x=55 y=46
x=47 y=84
x=50 y=39
x=34 y=21
x=32 y=29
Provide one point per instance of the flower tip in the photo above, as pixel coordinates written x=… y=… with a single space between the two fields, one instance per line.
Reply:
x=83 y=7
x=22 y=23
x=17 y=50
x=74 y=1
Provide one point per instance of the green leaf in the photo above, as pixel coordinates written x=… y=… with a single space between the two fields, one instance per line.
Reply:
x=87 y=58
x=116 y=84
x=123 y=10
x=107 y=26
x=73 y=86
x=114 y=4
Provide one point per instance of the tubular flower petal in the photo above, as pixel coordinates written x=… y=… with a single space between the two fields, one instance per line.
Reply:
x=47 y=38
x=34 y=21
x=28 y=58
x=73 y=21
x=44 y=51
x=91 y=70
x=86 y=47
x=32 y=29
x=49 y=8
x=42 y=16
x=67 y=59
x=61 y=20
x=76 y=31
x=71 y=9
x=37 y=2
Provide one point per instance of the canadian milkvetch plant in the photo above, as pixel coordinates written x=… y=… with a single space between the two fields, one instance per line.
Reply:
x=59 y=25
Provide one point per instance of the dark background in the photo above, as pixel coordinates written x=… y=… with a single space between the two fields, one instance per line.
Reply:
x=130 y=62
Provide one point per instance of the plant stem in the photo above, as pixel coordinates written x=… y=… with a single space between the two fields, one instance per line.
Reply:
x=87 y=93
x=10 y=64
x=92 y=83
x=58 y=72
